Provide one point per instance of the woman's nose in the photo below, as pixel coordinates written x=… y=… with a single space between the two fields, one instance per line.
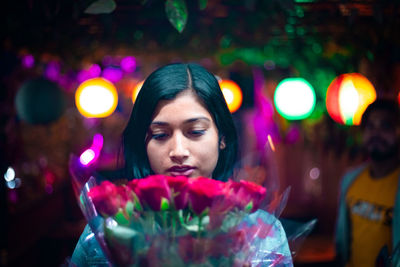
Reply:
x=179 y=150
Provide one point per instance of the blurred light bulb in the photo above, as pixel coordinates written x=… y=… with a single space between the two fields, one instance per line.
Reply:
x=314 y=173
x=87 y=156
x=10 y=174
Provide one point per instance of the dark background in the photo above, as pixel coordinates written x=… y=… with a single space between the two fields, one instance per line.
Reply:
x=239 y=40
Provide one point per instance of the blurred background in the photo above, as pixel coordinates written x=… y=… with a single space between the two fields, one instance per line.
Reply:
x=296 y=73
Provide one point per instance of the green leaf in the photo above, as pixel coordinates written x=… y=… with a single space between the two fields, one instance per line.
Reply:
x=101 y=7
x=138 y=206
x=164 y=204
x=202 y=4
x=249 y=206
x=176 y=13
x=129 y=208
x=120 y=218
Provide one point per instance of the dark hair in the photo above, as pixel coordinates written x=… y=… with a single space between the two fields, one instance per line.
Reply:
x=165 y=84
x=388 y=105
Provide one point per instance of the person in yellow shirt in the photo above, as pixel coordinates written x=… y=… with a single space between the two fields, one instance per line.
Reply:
x=368 y=221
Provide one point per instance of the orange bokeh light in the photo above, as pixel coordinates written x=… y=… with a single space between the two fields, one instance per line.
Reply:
x=136 y=90
x=232 y=94
x=96 y=98
x=348 y=96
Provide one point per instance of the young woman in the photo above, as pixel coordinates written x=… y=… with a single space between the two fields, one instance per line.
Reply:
x=180 y=125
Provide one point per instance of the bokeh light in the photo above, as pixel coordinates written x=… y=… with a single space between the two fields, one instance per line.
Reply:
x=87 y=157
x=97 y=141
x=40 y=101
x=398 y=98
x=315 y=173
x=128 y=64
x=113 y=74
x=136 y=90
x=52 y=71
x=92 y=72
x=90 y=155
x=10 y=174
x=11 y=180
x=294 y=98
x=28 y=61
x=232 y=94
x=348 y=96
x=96 y=98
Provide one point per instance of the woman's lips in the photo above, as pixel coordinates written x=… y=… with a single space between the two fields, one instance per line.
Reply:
x=181 y=170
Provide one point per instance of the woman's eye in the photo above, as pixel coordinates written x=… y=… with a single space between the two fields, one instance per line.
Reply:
x=197 y=132
x=159 y=136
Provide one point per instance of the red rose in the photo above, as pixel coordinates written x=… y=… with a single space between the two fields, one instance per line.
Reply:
x=247 y=193
x=133 y=186
x=105 y=198
x=153 y=191
x=203 y=192
x=179 y=190
x=124 y=195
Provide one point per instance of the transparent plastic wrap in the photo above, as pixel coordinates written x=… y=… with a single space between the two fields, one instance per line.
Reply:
x=177 y=221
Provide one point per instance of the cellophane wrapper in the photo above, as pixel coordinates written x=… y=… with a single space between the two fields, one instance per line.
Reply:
x=141 y=223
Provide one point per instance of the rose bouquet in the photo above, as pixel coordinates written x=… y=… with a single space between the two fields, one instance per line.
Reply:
x=179 y=221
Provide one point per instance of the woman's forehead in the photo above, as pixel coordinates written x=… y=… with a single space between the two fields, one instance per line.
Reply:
x=183 y=107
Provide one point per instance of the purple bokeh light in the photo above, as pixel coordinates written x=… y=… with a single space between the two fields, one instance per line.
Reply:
x=97 y=142
x=52 y=71
x=91 y=154
x=92 y=72
x=128 y=64
x=28 y=61
x=87 y=157
x=113 y=74
x=293 y=135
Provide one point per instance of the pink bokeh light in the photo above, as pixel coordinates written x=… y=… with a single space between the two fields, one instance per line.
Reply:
x=128 y=64
x=28 y=61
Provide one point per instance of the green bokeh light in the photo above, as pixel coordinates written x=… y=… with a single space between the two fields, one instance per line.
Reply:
x=294 y=98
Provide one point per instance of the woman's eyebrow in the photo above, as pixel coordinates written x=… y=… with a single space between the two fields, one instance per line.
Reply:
x=197 y=119
x=163 y=123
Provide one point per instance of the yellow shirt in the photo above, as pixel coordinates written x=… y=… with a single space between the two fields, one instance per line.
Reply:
x=370 y=202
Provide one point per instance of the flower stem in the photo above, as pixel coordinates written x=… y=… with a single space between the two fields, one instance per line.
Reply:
x=200 y=224
x=174 y=218
x=164 y=219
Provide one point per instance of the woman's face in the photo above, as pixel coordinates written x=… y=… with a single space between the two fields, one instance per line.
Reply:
x=182 y=138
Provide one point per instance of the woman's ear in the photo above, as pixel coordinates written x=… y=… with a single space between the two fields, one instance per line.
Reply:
x=222 y=144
